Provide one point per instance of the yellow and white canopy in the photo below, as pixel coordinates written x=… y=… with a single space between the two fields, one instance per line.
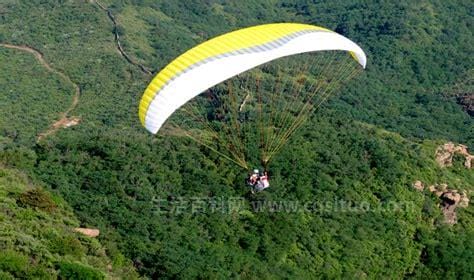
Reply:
x=228 y=55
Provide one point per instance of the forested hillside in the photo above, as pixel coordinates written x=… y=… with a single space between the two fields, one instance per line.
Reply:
x=341 y=203
x=37 y=237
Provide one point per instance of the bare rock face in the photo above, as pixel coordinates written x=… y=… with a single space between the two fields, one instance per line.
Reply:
x=445 y=153
x=450 y=199
x=91 y=232
x=464 y=202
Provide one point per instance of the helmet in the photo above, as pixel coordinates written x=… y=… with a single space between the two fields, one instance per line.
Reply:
x=255 y=171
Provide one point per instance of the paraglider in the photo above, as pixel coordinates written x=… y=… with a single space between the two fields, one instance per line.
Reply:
x=260 y=85
x=253 y=178
x=258 y=181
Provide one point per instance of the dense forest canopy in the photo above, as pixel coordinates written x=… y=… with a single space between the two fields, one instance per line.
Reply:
x=341 y=203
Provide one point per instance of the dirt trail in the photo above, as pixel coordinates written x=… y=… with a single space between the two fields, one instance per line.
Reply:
x=117 y=39
x=63 y=121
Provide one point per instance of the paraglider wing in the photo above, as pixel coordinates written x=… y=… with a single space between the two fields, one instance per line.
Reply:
x=228 y=55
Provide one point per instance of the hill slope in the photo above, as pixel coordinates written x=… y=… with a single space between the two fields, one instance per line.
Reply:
x=37 y=238
x=353 y=164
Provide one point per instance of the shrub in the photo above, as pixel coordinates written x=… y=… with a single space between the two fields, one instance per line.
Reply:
x=66 y=245
x=37 y=198
x=13 y=262
x=6 y=276
x=77 y=271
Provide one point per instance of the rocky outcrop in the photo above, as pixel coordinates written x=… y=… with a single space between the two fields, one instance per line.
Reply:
x=418 y=185
x=446 y=152
x=450 y=199
x=91 y=232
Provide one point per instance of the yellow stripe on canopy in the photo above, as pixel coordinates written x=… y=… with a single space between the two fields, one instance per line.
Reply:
x=229 y=42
